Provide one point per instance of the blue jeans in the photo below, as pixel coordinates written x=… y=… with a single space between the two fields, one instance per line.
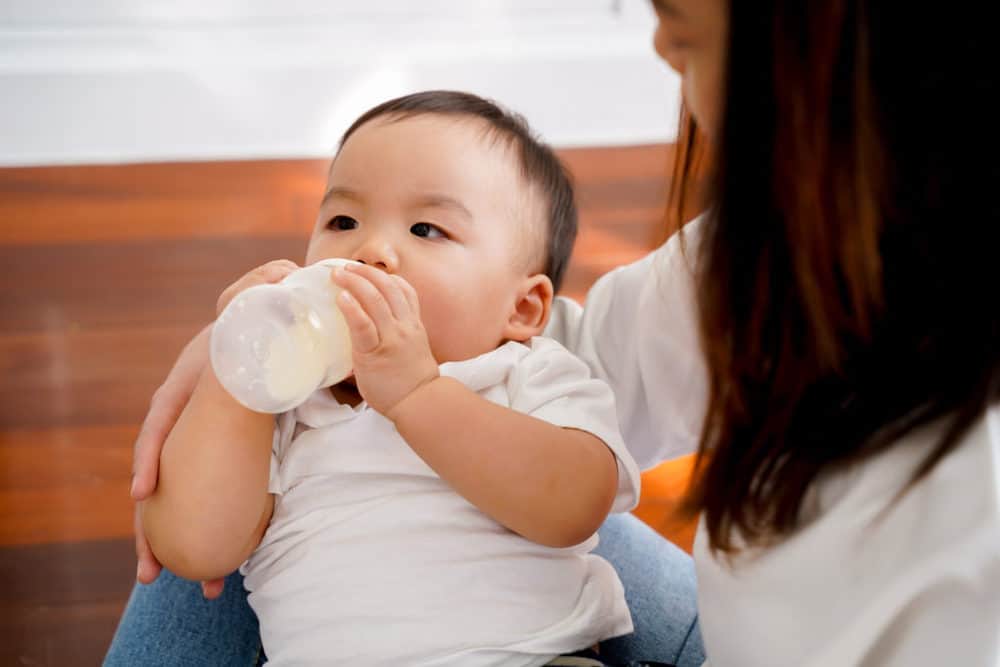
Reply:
x=168 y=622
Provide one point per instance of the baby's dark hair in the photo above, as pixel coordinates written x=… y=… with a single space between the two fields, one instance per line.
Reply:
x=539 y=165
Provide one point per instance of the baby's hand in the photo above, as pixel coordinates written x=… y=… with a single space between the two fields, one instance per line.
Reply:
x=392 y=356
x=272 y=272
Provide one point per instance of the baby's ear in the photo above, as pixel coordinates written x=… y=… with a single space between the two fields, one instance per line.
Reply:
x=531 y=308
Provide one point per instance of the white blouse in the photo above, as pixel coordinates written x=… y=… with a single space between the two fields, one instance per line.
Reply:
x=916 y=585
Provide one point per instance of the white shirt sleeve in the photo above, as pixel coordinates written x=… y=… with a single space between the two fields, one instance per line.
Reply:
x=638 y=331
x=551 y=384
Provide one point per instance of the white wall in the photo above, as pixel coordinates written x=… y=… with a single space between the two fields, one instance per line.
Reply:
x=146 y=80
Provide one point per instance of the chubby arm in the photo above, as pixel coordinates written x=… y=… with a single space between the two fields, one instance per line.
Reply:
x=552 y=485
x=211 y=505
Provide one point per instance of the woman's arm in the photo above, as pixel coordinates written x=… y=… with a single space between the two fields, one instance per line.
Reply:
x=638 y=331
x=164 y=409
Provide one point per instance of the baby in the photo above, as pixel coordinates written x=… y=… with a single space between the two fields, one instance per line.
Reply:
x=440 y=507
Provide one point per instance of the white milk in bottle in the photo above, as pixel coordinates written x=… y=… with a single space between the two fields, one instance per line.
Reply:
x=274 y=345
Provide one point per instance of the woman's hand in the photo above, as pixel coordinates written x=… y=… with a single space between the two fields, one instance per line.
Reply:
x=164 y=409
x=266 y=274
x=166 y=406
x=392 y=356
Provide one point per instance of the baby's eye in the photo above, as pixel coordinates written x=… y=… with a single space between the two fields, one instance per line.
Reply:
x=427 y=230
x=342 y=223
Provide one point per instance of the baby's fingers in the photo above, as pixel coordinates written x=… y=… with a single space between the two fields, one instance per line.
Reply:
x=410 y=294
x=213 y=588
x=275 y=270
x=367 y=295
x=270 y=273
x=388 y=286
x=364 y=333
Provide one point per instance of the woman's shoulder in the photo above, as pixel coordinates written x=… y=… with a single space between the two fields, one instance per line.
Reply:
x=677 y=255
x=638 y=331
x=962 y=491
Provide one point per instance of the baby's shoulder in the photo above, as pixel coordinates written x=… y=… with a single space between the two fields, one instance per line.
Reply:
x=540 y=366
x=546 y=359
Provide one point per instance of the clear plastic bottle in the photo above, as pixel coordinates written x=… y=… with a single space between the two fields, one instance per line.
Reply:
x=274 y=345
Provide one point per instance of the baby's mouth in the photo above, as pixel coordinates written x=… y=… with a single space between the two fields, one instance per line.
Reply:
x=346 y=391
x=348 y=384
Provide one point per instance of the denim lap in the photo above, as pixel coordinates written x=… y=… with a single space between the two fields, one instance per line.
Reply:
x=169 y=623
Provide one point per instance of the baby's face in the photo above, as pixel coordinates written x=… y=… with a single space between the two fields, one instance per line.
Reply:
x=438 y=201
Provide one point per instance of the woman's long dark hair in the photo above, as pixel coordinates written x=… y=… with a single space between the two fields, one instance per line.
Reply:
x=849 y=275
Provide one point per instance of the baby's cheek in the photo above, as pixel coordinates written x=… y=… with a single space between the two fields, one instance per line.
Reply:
x=447 y=338
x=437 y=335
x=317 y=250
x=462 y=323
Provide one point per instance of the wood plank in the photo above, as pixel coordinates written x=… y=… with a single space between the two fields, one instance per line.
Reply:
x=60 y=603
x=65 y=484
x=86 y=286
x=84 y=377
x=159 y=201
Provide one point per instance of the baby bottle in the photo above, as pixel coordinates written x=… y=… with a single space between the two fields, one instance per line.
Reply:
x=276 y=344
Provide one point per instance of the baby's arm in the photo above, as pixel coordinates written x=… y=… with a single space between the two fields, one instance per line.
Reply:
x=211 y=504
x=552 y=485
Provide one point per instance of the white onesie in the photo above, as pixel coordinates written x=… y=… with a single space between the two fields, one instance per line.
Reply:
x=371 y=559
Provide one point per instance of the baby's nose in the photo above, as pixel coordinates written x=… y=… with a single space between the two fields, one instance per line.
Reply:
x=377 y=265
x=379 y=254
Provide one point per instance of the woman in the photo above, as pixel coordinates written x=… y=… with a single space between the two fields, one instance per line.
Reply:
x=827 y=336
